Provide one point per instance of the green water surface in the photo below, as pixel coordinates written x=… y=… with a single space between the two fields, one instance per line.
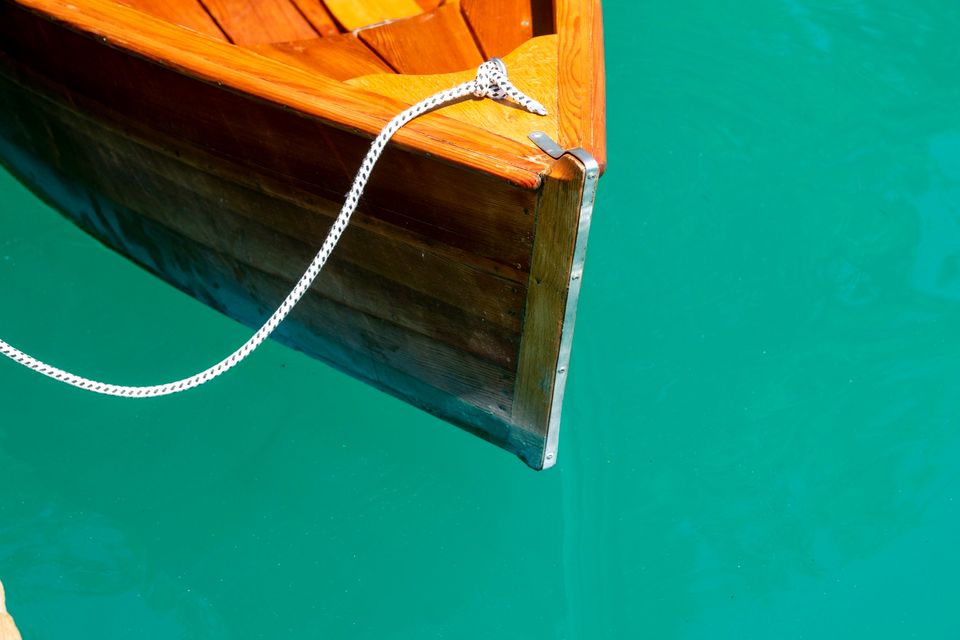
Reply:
x=761 y=431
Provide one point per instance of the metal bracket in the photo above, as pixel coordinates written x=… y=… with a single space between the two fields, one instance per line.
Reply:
x=591 y=176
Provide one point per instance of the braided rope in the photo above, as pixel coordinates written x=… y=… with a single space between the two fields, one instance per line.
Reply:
x=491 y=82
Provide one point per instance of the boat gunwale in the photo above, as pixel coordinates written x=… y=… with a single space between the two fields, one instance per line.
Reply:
x=252 y=75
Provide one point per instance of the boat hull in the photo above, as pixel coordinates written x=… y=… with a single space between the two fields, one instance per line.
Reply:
x=227 y=197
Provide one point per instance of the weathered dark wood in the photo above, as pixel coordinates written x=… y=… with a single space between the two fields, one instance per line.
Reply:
x=341 y=56
x=435 y=42
x=558 y=216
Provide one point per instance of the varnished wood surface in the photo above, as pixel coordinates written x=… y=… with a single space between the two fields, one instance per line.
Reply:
x=190 y=14
x=8 y=630
x=500 y=25
x=354 y=15
x=449 y=285
x=318 y=17
x=340 y=57
x=533 y=69
x=434 y=42
x=247 y=72
x=249 y=22
x=558 y=216
x=581 y=76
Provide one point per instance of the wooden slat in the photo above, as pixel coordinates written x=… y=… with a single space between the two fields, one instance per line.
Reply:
x=558 y=216
x=189 y=55
x=340 y=57
x=318 y=16
x=581 y=76
x=533 y=69
x=500 y=25
x=197 y=236
x=435 y=42
x=8 y=630
x=429 y=5
x=186 y=13
x=259 y=21
x=354 y=14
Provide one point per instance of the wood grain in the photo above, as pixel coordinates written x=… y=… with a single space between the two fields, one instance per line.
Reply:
x=558 y=216
x=249 y=22
x=247 y=73
x=318 y=16
x=500 y=25
x=532 y=68
x=355 y=15
x=429 y=5
x=340 y=57
x=189 y=14
x=215 y=252
x=581 y=76
x=434 y=42
x=8 y=630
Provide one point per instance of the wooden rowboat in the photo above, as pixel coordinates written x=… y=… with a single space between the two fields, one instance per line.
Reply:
x=212 y=141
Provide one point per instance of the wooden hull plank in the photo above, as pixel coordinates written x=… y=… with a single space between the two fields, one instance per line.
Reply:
x=435 y=42
x=472 y=395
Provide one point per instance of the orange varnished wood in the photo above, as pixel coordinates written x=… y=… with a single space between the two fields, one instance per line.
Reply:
x=581 y=76
x=435 y=42
x=500 y=25
x=225 y=167
x=429 y=5
x=354 y=14
x=340 y=57
x=186 y=13
x=275 y=82
x=558 y=215
x=319 y=17
x=249 y=22
x=533 y=70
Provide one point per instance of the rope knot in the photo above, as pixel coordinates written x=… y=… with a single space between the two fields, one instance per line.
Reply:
x=492 y=82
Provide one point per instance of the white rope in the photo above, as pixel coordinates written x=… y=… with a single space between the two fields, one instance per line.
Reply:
x=491 y=82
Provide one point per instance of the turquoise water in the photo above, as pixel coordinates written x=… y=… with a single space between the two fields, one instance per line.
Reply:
x=760 y=434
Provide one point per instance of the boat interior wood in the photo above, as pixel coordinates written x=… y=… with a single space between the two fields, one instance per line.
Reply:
x=355 y=15
x=318 y=16
x=340 y=57
x=533 y=68
x=186 y=13
x=434 y=42
x=499 y=25
x=249 y=22
x=306 y=37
